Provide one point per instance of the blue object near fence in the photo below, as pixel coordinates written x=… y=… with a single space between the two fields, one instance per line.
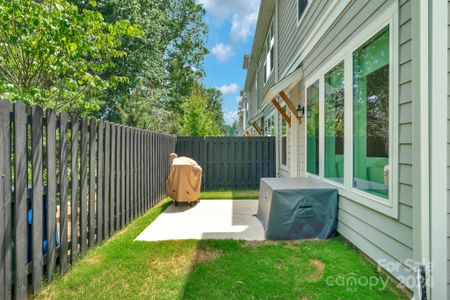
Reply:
x=44 y=228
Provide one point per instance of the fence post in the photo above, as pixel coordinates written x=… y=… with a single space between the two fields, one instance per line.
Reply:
x=20 y=203
x=51 y=193
x=84 y=185
x=112 y=195
x=92 y=180
x=63 y=189
x=36 y=200
x=5 y=202
x=75 y=195
x=100 y=183
x=107 y=180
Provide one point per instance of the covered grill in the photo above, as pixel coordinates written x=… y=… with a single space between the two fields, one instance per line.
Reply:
x=185 y=179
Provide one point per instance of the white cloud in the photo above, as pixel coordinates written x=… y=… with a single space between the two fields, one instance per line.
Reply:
x=232 y=88
x=242 y=27
x=243 y=15
x=238 y=99
x=222 y=52
x=230 y=116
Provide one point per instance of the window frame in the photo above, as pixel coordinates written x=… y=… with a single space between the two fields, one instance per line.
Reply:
x=386 y=206
x=284 y=167
x=302 y=16
x=268 y=50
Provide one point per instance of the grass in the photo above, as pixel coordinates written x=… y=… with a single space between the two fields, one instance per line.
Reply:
x=122 y=268
x=230 y=194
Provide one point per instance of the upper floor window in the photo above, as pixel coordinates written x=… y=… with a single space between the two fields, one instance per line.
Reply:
x=301 y=5
x=269 y=52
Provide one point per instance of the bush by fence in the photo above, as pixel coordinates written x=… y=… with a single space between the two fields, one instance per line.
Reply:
x=94 y=178
x=230 y=162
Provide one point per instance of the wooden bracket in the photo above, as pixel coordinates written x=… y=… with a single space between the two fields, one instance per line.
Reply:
x=257 y=127
x=290 y=105
x=281 y=111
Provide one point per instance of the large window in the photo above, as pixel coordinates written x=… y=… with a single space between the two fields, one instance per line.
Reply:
x=334 y=124
x=312 y=125
x=371 y=116
x=269 y=51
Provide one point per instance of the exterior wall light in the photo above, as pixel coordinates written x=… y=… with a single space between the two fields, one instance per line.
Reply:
x=300 y=111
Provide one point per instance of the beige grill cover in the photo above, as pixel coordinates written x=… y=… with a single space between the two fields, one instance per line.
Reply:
x=185 y=179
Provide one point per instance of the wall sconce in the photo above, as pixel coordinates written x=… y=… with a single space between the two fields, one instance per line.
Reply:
x=300 y=111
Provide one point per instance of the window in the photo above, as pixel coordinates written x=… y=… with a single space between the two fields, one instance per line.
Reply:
x=283 y=141
x=334 y=124
x=371 y=116
x=269 y=52
x=270 y=126
x=301 y=5
x=312 y=127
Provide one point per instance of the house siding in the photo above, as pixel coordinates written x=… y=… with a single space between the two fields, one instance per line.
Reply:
x=384 y=239
x=290 y=35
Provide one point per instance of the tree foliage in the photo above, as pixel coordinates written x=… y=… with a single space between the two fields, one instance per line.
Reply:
x=135 y=62
x=199 y=119
x=54 y=54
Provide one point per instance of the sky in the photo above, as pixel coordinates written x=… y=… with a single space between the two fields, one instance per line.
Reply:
x=231 y=28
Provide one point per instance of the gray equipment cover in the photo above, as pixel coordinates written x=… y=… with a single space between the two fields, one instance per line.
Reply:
x=297 y=208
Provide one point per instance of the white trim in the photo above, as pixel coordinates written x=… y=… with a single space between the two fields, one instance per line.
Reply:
x=438 y=100
x=420 y=138
x=386 y=206
x=302 y=17
x=284 y=84
x=316 y=34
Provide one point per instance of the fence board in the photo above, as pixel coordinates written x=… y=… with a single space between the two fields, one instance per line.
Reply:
x=74 y=189
x=63 y=189
x=122 y=177
x=107 y=180
x=100 y=174
x=51 y=193
x=118 y=178
x=5 y=202
x=230 y=163
x=20 y=205
x=112 y=193
x=92 y=180
x=84 y=186
x=37 y=194
x=116 y=174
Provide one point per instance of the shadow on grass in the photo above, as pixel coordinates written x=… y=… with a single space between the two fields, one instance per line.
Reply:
x=284 y=270
x=122 y=268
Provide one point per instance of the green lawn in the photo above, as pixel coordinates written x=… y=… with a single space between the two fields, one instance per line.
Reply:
x=230 y=194
x=124 y=269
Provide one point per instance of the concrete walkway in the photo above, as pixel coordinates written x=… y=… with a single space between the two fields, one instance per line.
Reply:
x=209 y=219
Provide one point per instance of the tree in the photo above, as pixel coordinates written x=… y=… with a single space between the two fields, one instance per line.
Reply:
x=198 y=119
x=54 y=54
x=163 y=65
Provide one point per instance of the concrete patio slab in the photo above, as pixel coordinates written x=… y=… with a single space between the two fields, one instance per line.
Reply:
x=209 y=219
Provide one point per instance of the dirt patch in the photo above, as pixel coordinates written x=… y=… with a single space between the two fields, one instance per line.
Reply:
x=175 y=264
x=320 y=267
x=251 y=244
x=293 y=244
x=93 y=259
x=207 y=254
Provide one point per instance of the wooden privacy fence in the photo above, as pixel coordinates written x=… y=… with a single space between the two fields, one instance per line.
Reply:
x=230 y=162
x=68 y=183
